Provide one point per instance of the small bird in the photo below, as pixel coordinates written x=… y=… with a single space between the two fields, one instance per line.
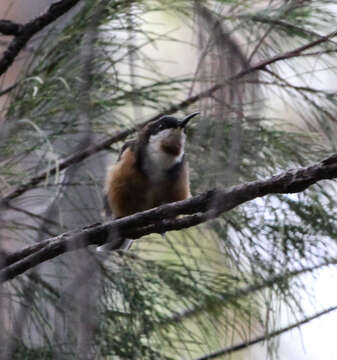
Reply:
x=150 y=171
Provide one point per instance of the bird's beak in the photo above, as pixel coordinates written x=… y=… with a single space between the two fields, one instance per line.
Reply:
x=184 y=122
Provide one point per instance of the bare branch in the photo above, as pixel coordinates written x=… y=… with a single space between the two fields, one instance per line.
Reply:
x=33 y=215
x=70 y=160
x=246 y=344
x=23 y=33
x=198 y=209
x=9 y=89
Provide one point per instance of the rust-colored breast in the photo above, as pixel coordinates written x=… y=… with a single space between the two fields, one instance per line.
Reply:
x=129 y=191
x=171 y=191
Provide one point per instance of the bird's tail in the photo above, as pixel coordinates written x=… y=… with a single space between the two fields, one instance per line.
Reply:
x=113 y=245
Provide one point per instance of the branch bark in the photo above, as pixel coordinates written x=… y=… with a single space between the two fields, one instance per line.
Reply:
x=122 y=135
x=23 y=33
x=197 y=210
x=8 y=27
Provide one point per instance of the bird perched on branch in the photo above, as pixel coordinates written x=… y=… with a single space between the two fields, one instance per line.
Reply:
x=150 y=171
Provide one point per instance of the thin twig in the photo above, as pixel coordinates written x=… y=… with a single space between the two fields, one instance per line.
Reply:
x=33 y=215
x=8 y=89
x=70 y=160
x=246 y=344
x=242 y=292
x=289 y=26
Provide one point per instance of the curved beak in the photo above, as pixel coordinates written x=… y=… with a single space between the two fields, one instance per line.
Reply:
x=184 y=122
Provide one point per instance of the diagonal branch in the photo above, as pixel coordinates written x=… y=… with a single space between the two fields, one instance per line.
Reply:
x=197 y=210
x=256 y=286
x=259 y=339
x=23 y=33
x=70 y=160
x=289 y=26
x=122 y=135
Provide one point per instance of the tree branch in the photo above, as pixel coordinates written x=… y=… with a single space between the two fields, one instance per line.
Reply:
x=23 y=33
x=8 y=27
x=70 y=160
x=246 y=344
x=197 y=210
x=289 y=26
x=8 y=89
x=122 y=135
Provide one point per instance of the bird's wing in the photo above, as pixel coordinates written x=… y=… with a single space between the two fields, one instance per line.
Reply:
x=125 y=243
x=106 y=208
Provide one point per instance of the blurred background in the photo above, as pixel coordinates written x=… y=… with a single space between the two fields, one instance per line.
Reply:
x=200 y=293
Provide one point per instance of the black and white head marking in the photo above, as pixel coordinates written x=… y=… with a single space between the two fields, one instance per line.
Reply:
x=157 y=160
x=164 y=123
x=161 y=146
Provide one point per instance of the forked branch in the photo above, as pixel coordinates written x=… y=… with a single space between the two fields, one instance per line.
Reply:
x=23 y=33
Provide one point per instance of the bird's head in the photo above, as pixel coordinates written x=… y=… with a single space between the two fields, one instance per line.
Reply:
x=162 y=142
x=167 y=134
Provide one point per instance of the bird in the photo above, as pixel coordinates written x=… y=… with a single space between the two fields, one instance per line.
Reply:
x=151 y=170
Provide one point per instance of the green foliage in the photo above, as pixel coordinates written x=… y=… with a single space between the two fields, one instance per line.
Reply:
x=23 y=352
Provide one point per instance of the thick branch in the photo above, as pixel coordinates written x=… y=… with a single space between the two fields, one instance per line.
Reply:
x=23 y=33
x=246 y=344
x=197 y=210
x=122 y=135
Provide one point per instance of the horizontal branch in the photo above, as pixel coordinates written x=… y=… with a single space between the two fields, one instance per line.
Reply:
x=197 y=210
x=122 y=135
x=23 y=33
x=268 y=336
